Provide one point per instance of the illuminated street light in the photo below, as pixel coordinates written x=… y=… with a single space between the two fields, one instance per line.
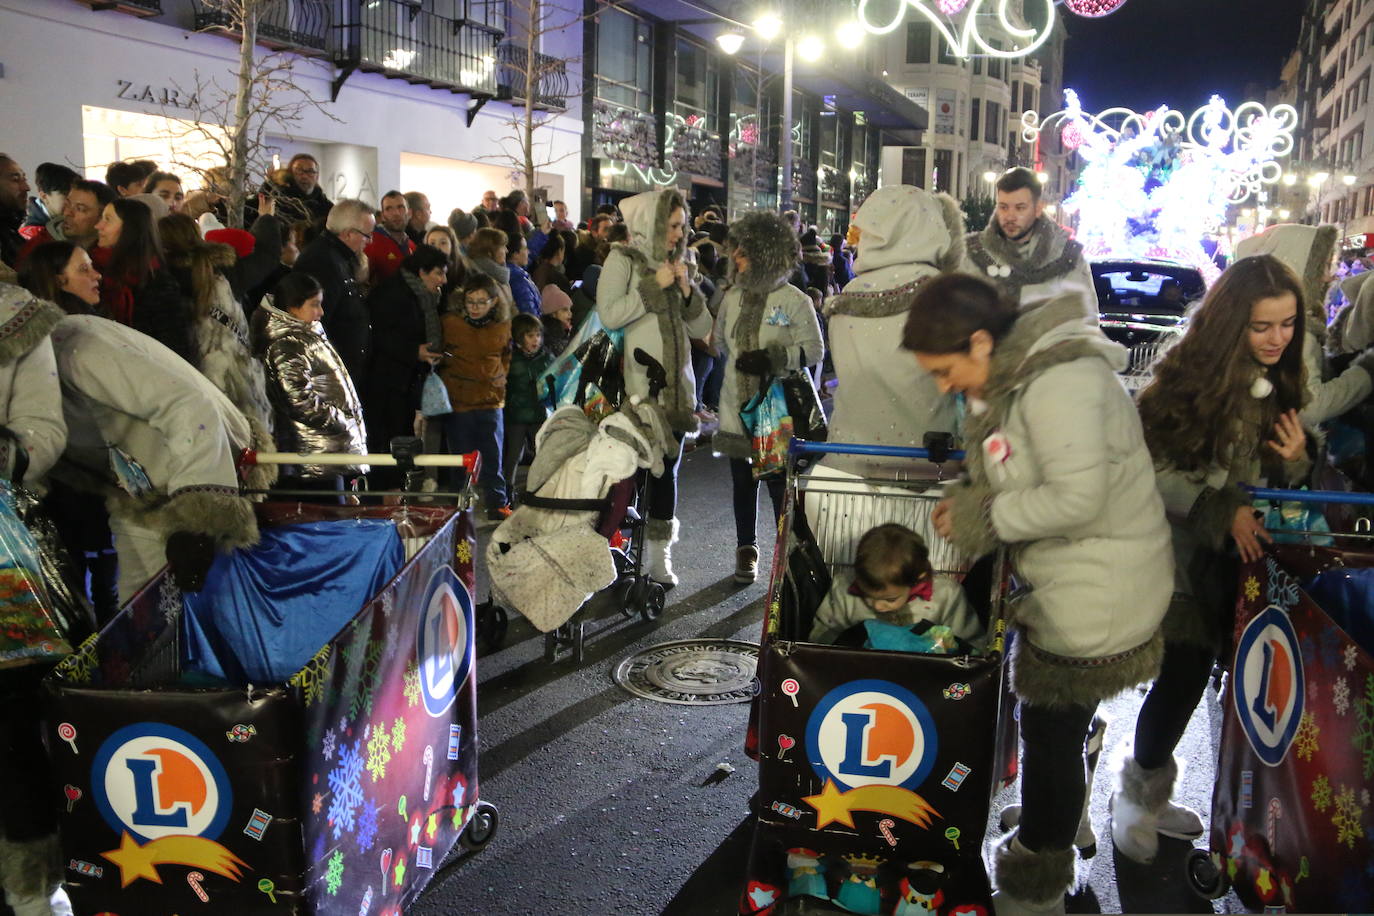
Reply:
x=810 y=48
x=850 y=35
x=1042 y=177
x=1284 y=214
x=989 y=177
x=730 y=42
x=1290 y=179
x=1317 y=179
x=1347 y=180
x=768 y=26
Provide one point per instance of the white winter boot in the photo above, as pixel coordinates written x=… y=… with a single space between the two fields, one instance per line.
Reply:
x=660 y=536
x=1085 y=841
x=1141 y=811
x=1030 y=883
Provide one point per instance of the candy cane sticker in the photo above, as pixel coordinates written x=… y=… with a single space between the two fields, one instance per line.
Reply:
x=885 y=828
x=429 y=768
x=67 y=732
x=791 y=688
x=1275 y=810
x=194 y=878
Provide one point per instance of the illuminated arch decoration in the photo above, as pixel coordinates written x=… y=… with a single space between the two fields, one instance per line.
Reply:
x=959 y=23
x=1156 y=184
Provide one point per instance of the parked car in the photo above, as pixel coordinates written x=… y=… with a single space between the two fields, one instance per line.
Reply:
x=1143 y=304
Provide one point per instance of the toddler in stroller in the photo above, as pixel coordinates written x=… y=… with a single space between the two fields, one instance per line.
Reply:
x=564 y=543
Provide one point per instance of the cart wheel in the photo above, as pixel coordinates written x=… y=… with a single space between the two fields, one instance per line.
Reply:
x=492 y=623
x=551 y=646
x=1205 y=875
x=577 y=645
x=625 y=596
x=653 y=602
x=481 y=828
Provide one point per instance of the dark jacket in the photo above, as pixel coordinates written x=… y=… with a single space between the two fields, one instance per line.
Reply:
x=394 y=373
x=293 y=204
x=524 y=383
x=523 y=290
x=335 y=266
x=36 y=220
x=157 y=307
x=10 y=239
x=546 y=273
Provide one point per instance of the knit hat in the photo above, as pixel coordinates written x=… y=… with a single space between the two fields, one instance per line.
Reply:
x=153 y=203
x=241 y=240
x=553 y=299
x=462 y=223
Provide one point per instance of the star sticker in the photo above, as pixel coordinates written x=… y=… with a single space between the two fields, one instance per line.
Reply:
x=762 y=897
x=1237 y=846
x=415 y=832
x=830 y=806
x=457 y=818
x=1265 y=885
x=400 y=872
x=432 y=827
x=133 y=860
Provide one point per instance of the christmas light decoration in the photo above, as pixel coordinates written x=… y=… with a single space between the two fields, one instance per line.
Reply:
x=1092 y=9
x=1155 y=185
x=964 y=39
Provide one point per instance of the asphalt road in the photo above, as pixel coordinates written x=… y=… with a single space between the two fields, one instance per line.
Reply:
x=612 y=804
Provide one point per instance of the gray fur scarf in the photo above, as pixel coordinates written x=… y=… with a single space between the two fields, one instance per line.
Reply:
x=1049 y=254
x=671 y=309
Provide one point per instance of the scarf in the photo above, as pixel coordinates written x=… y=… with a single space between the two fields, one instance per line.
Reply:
x=429 y=309
x=1009 y=266
x=498 y=272
x=117 y=293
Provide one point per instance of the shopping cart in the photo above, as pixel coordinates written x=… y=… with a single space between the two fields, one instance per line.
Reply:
x=876 y=769
x=1292 y=825
x=338 y=791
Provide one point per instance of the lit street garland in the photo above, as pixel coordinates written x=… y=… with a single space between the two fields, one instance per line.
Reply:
x=968 y=40
x=1156 y=184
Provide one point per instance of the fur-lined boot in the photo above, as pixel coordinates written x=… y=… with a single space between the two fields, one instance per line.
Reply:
x=1085 y=840
x=1030 y=882
x=30 y=873
x=1141 y=811
x=660 y=536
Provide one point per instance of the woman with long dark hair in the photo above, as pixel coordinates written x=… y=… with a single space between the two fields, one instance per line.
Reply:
x=135 y=289
x=62 y=273
x=1057 y=466
x=1221 y=411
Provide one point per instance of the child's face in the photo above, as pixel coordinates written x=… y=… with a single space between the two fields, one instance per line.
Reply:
x=890 y=598
x=479 y=302
x=531 y=342
x=565 y=316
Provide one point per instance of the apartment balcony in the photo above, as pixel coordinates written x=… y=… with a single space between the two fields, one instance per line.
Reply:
x=301 y=26
x=550 y=76
x=401 y=39
x=144 y=8
x=1331 y=57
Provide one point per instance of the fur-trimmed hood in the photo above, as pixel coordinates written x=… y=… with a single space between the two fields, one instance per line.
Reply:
x=25 y=320
x=771 y=246
x=646 y=216
x=1307 y=251
x=902 y=226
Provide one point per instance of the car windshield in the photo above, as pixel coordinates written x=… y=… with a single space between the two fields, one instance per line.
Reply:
x=1146 y=288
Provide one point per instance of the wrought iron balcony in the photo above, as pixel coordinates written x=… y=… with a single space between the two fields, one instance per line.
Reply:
x=143 y=8
x=405 y=39
x=295 y=25
x=550 y=76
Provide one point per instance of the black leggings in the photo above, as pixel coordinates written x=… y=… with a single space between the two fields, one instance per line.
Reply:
x=662 y=490
x=1053 y=779
x=1174 y=695
x=746 y=497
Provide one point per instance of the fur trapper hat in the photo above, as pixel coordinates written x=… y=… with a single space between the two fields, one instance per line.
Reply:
x=766 y=239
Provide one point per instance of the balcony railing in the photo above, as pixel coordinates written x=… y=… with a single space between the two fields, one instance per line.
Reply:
x=402 y=39
x=133 y=7
x=550 y=76
x=296 y=25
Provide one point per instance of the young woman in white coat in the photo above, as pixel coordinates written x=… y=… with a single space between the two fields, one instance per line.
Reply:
x=1221 y=411
x=765 y=327
x=645 y=289
x=1057 y=466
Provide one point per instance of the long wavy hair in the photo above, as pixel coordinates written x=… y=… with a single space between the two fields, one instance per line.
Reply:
x=138 y=252
x=42 y=276
x=202 y=260
x=1193 y=411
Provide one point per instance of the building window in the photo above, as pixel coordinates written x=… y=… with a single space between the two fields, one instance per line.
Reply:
x=996 y=64
x=993 y=129
x=978 y=66
x=697 y=86
x=918 y=42
x=624 y=60
x=1015 y=94
x=944 y=170
x=1028 y=98
x=914 y=166
x=946 y=55
x=973 y=122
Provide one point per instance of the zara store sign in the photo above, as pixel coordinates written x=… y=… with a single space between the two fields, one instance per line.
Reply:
x=166 y=96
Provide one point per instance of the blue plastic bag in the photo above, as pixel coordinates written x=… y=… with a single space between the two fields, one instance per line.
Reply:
x=1295 y=517
x=434 y=401
x=770 y=430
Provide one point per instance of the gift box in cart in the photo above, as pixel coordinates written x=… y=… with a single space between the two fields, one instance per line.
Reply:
x=339 y=790
x=875 y=767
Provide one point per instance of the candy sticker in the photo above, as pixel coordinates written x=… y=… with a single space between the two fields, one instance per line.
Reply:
x=791 y=688
x=429 y=768
x=194 y=878
x=367 y=902
x=952 y=834
x=785 y=744
x=269 y=888
x=67 y=732
x=885 y=828
x=241 y=733
x=455 y=738
x=786 y=810
x=1275 y=811
x=73 y=795
x=386 y=863
x=258 y=824
x=424 y=857
x=957 y=691
x=1247 y=788
x=956 y=776
x=86 y=868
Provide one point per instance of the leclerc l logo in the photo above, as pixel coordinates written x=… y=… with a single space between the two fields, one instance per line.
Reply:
x=152 y=780
x=871 y=733
x=1269 y=685
x=444 y=645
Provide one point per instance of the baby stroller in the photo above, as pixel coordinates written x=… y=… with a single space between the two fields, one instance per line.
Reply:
x=1292 y=823
x=573 y=549
x=876 y=768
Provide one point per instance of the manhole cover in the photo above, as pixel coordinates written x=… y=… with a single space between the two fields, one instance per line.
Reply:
x=692 y=672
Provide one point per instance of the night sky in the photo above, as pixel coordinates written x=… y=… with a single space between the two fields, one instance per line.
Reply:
x=1178 y=52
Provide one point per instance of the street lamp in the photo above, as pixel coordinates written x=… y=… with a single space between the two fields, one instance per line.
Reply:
x=989 y=177
x=768 y=26
x=1348 y=180
x=1290 y=179
x=1042 y=177
x=730 y=42
x=810 y=48
x=1317 y=179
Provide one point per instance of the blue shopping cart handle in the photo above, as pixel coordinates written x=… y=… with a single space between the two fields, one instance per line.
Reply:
x=803 y=447
x=1313 y=496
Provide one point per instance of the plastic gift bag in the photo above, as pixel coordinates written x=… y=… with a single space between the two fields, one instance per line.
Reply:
x=434 y=400
x=770 y=430
x=804 y=406
x=1299 y=518
x=28 y=631
x=590 y=372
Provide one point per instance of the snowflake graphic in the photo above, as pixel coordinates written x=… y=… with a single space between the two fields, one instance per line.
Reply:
x=346 y=782
x=169 y=600
x=1321 y=793
x=1306 y=740
x=367 y=828
x=1340 y=696
x=1364 y=800
x=398 y=735
x=317 y=803
x=378 y=753
x=464 y=552
x=1252 y=588
x=388 y=602
x=1363 y=736
x=1313 y=691
x=312 y=677
x=1283 y=591
x=79 y=667
x=366 y=690
x=334 y=877
x=1346 y=818
x=343 y=725
x=412 y=684
x=1350 y=656
x=328 y=744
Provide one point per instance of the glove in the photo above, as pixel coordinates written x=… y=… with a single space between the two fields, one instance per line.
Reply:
x=754 y=362
x=653 y=369
x=189 y=556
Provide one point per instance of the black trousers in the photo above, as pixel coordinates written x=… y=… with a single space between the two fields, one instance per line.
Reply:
x=1053 y=779
x=1174 y=695
x=662 y=490
x=746 y=499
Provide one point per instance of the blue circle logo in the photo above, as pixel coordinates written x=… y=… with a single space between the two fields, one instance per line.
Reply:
x=444 y=645
x=1268 y=687
x=154 y=780
x=871 y=733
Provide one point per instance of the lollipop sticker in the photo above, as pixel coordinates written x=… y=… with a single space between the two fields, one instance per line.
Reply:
x=67 y=732
x=791 y=688
x=785 y=744
x=73 y=794
x=268 y=887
